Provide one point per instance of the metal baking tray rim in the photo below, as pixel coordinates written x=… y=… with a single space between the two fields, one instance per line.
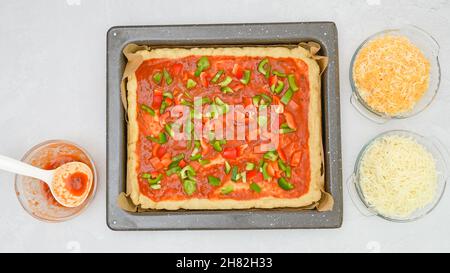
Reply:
x=324 y=33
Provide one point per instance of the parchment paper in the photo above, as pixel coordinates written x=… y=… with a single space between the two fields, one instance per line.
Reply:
x=135 y=60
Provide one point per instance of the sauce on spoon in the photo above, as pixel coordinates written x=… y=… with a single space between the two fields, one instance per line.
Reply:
x=71 y=183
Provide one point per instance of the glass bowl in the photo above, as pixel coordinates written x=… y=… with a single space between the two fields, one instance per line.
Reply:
x=35 y=196
x=430 y=48
x=441 y=157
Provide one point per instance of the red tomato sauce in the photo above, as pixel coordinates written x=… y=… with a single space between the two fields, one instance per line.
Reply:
x=53 y=162
x=76 y=183
x=183 y=69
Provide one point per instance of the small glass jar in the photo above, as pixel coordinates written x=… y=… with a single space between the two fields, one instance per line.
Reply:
x=441 y=157
x=35 y=196
x=430 y=48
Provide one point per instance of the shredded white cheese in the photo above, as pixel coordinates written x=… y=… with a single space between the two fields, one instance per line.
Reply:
x=397 y=176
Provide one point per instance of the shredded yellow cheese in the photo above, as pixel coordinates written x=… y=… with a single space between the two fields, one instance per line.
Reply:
x=397 y=176
x=391 y=74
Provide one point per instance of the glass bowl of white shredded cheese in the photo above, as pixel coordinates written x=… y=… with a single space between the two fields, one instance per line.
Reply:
x=399 y=176
x=395 y=74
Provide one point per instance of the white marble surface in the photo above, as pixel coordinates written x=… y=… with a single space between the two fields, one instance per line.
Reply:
x=52 y=75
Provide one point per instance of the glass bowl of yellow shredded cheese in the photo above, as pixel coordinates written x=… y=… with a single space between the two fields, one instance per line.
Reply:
x=395 y=74
x=399 y=176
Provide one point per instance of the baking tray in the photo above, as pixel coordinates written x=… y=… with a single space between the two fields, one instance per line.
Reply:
x=324 y=33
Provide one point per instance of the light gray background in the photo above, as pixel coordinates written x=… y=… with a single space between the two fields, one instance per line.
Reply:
x=53 y=85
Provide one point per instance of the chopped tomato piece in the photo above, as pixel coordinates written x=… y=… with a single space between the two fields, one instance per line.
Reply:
x=185 y=77
x=270 y=169
x=281 y=154
x=251 y=174
x=273 y=80
x=276 y=100
x=255 y=176
x=204 y=79
x=292 y=105
x=182 y=163
x=176 y=68
x=295 y=159
x=150 y=125
x=166 y=160
x=155 y=148
x=278 y=174
x=290 y=120
x=168 y=100
x=157 y=99
x=237 y=71
x=156 y=163
x=247 y=101
x=161 y=152
x=273 y=169
x=230 y=153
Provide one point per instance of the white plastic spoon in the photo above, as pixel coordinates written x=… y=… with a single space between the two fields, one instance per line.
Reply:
x=55 y=179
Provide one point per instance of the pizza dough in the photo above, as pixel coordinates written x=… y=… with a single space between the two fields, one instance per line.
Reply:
x=272 y=197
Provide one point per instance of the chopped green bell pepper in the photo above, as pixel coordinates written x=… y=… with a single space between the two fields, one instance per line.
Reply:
x=292 y=82
x=148 y=109
x=286 y=98
x=217 y=76
x=227 y=190
x=213 y=180
x=202 y=64
x=190 y=84
x=255 y=187
x=157 y=77
x=246 y=77
x=264 y=67
x=190 y=186
x=167 y=77
x=284 y=184
x=161 y=139
x=271 y=155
